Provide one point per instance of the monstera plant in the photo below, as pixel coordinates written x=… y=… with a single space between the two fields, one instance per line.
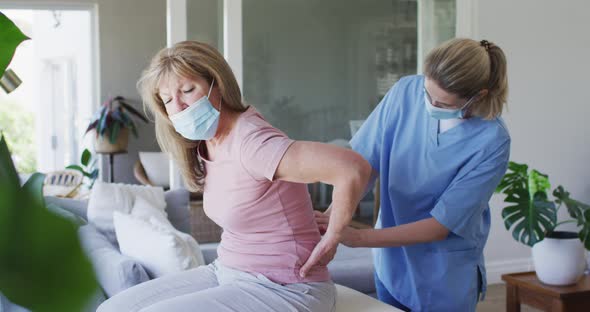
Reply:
x=558 y=256
x=42 y=265
x=531 y=213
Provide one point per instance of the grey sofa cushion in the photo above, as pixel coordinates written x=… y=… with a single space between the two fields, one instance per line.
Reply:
x=66 y=214
x=114 y=271
x=7 y=306
x=75 y=206
x=209 y=251
x=177 y=208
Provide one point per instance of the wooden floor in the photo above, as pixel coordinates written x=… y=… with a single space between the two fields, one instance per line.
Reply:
x=496 y=300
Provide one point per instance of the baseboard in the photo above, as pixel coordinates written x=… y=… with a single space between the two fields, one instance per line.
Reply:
x=495 y=269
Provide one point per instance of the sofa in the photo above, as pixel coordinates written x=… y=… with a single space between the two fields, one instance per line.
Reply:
x=351 y=269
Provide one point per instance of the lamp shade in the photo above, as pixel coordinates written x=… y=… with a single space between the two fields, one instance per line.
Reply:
x=9 y=81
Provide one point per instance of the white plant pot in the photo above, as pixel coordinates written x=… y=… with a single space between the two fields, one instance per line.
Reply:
x=559 y=259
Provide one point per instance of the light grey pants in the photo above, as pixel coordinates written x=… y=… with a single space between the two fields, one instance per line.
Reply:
x=218 y=288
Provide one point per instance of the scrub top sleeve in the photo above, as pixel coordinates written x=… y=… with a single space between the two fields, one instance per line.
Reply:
x=461 y=206
x=368 y=141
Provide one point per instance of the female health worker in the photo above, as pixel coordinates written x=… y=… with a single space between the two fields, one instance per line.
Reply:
x=439 y=147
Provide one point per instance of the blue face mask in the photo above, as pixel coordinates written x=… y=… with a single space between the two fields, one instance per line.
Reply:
x=199 y=121
x=444 y=113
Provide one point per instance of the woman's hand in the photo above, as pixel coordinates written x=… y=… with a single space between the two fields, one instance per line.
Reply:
x=350 y=236
x=322 y=219
x=322 y=254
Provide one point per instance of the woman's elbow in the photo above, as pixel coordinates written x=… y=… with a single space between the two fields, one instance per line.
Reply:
x=360 y=170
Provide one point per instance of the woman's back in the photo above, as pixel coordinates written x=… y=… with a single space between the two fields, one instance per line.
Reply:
x=269 y=226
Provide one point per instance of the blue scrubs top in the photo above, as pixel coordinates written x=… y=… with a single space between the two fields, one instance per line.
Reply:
x=449 y=176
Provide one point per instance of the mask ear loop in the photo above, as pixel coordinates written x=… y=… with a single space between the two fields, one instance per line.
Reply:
x=469 y=102
x=210 y=89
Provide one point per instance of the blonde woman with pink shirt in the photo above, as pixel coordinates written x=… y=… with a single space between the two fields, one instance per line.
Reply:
x=253 y=179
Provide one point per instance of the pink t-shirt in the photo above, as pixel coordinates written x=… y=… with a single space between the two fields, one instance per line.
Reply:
x=268 y=226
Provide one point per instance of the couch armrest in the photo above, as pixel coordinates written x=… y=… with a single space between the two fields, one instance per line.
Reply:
x=114 y=271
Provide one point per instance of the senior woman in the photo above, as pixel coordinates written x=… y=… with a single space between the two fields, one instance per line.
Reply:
x=253 y=181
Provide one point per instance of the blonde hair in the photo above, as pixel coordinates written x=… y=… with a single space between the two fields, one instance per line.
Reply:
x=465 y=67
x=188 y=60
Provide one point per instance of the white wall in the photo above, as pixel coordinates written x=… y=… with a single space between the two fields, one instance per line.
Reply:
x=547 y=47
x=131 y=33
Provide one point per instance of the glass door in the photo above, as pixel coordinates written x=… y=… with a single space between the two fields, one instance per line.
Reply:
x=316 y=69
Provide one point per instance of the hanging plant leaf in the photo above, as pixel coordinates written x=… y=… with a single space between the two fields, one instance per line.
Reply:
x=117 y=98
x=531 y=219
x=118 y=116
x=575 y=208
x=130 y=124
x=99 y=113
x=94 y=174
x=11 y=37
x=91 y=126
x=106 y=124
x=530 y=214
x=85 y=158
x=538 y=182
x=115 y=132
x=101 y=124
x=132 y=110
x=517 y=177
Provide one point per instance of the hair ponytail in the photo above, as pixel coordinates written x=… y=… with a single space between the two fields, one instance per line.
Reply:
x=497 y=83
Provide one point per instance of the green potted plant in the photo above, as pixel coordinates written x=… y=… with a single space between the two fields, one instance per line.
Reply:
x=558 y=256
x=87 y=168
x=42 y=264
x=111 y=125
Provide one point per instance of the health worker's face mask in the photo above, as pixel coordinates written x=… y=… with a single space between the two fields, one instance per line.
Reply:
x=444 y=113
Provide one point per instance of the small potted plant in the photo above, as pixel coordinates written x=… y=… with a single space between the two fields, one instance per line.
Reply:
x=87 y=168
x=558 y=256
x=111 y=125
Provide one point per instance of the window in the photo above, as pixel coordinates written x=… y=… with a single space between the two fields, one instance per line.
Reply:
x=45 y=117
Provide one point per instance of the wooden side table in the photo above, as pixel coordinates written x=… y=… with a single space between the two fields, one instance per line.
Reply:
x=527 y=289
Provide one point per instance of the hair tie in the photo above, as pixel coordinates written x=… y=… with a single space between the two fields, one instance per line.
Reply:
x=485 y=44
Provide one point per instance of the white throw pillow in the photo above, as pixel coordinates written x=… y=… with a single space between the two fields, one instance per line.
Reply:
x=144 y=209
x=156 y=245
x=105 y=198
